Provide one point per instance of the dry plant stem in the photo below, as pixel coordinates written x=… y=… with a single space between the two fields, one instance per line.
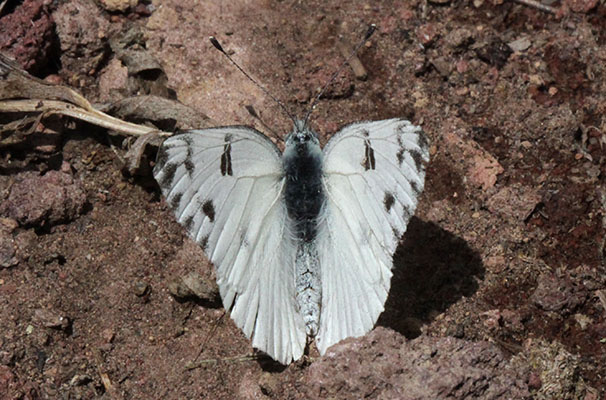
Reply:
x=208 y=361
x=49 y=107
x=21 y=92
x=601 y=294
x=110 y=389
x=355 y=63
x=537 y=5
x=15 y=83
x=210 y=334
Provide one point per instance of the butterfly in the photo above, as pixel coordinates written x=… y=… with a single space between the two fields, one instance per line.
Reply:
x=302 y=240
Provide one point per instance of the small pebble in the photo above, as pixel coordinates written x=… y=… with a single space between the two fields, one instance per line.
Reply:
x=193 y=285
x=269 y=383
x=520 y=44
x=51 y=319
x=80 y=380
x=141 y=288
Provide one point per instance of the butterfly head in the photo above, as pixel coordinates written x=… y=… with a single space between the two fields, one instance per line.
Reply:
x=301 y=135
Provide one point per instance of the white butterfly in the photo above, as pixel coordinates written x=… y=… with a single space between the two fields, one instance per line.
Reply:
x=302 y=241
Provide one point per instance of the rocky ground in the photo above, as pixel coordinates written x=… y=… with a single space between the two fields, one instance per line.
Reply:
x=499 y=288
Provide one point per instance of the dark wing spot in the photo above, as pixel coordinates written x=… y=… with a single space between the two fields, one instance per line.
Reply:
x=209 y=210
x=415 y=188
x=188 y=223
x=169 y=175
x=418 y=159
x=388 y=201
x=204 y=243
x=161 y=157
x=365 y=133
x=189 y=167
x=422 y=141
x=407 y=214
x=396 y=233
x=176 y=200
x=400 y=156
x=369 y=156
x=243 y=238
x=226 y=168
x=401 y=150
x=188 y=141
x=189 y=164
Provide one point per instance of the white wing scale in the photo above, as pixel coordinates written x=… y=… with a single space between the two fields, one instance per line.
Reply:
x=225 y=186
x=373 y=174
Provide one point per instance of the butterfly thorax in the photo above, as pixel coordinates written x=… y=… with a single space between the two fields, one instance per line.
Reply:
x=304 y=197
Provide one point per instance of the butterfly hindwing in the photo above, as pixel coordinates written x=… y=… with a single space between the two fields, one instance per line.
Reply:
x=373 y=175
x=225 y=185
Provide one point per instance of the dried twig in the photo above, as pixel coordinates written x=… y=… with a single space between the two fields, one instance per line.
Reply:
x=356 y=65
x=50 y=107
x=538 y=6
x=210 y=334
x=105 y=380
x=23 y=93
x=601 y=294
x=209 y=361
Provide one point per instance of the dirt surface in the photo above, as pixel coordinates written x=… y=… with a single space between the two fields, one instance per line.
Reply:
x=499 y=287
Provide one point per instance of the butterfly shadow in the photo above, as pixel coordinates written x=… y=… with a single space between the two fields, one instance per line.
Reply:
x=432 y=270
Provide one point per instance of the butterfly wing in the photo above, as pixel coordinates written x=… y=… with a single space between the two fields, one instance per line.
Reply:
x=225 y=185
x=373 y=175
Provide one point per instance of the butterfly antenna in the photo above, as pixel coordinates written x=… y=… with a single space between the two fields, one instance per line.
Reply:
x=218 y=46
x=251 y=110
x=371 y=29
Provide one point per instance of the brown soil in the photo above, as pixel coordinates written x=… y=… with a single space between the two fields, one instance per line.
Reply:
x=507 y=245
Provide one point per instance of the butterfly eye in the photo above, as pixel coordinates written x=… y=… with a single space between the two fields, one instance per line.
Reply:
x=304 y=138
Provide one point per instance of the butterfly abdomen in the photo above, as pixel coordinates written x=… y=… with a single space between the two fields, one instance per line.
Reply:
x=308 y=285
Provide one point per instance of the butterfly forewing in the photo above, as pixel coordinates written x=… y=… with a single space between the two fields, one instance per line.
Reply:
x=225 y=185
x=373 y=175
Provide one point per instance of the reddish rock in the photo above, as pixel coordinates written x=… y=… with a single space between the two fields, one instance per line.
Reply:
x=481 y=167
x=51 y=318
x=7 y=250
x=492 y=319
x=309 y=87
x=514 y=202
x=426 y=34
x=484 y=171
x=83 y=33
x=44 y=200
x=113 y=81
x=551 y=370
x=27 y=33
x=249 y=389
x=534 y=381
x=459 y=37
x=7 y=378
x=556 y=292
x=118 y=5
x=513 y=320
x=382 y=365
x=581 y=6
x=599 y=330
